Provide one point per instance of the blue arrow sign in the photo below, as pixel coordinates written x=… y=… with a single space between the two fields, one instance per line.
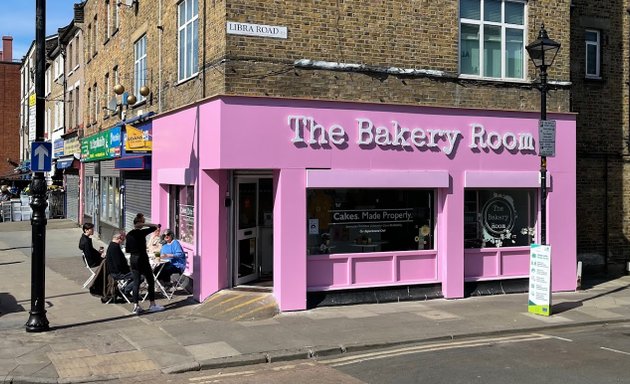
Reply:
x=41 y=156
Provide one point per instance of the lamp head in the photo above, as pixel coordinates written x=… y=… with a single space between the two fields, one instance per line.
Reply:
x=131 y=99
x=543 y=50
x=144 y=91
x=119 y=89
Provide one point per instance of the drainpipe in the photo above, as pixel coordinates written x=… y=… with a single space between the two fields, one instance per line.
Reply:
x=161 y=31
x=203 y=52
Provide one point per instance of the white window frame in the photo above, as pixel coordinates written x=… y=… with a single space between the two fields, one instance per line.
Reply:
x=598 y=55
x=186 y=31
x=481 y=23
x=140 y=67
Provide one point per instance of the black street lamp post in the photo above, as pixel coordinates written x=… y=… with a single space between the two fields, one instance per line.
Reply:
x=37 y=321
x=542 y=52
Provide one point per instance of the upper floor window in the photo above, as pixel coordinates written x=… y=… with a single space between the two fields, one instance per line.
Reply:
x=492 y=38
x=188 y=39
x=593 y=49
x=140 y=66
x=76 y=51
x=116 y=16
x=108 y=27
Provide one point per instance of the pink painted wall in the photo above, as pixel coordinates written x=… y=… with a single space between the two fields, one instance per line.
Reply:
x=249 y=133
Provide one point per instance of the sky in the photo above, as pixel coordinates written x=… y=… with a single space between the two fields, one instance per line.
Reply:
x=17 y=19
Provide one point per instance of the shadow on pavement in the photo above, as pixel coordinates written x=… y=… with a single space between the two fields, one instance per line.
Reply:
x=9 y=304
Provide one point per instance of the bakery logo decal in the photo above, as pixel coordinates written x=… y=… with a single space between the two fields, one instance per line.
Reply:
x=308 y=133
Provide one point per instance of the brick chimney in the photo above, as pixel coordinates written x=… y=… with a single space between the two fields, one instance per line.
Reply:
x=7 y=48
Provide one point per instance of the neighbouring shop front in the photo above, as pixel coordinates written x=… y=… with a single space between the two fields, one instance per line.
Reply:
x=101 y=183
x=117 y=176
x=308 y=196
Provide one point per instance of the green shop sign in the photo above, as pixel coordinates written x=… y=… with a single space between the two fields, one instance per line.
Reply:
x=102 y=146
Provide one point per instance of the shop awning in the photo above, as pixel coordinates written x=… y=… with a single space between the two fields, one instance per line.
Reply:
x=66 y=162
x=133 y=162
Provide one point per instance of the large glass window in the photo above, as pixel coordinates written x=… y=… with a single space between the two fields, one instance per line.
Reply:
x=369 y=220
x=110 y=200
x=188 y=38
x=492 y=38
x=182 y=212
x=140 y=66
x=499 y=217
x=592 y=53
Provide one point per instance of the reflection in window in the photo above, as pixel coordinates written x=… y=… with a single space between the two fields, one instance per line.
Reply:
x=369 y=220
x=499 y=218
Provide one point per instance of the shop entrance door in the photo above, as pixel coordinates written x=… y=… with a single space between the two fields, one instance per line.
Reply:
x=253 y=257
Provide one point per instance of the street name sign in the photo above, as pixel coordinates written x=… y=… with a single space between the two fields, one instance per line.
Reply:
x=41 y=156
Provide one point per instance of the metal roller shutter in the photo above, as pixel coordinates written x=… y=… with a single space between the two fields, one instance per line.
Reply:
x=90 y=169
x=72 y=197
x=107 y=169
x=137 y=196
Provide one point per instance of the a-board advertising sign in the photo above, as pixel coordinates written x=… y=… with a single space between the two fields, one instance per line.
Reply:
x=539 y=301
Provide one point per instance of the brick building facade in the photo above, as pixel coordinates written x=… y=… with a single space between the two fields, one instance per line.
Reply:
x=599 y=95
x=9 y=107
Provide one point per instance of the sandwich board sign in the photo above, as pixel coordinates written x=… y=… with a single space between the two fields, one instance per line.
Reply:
x=539 y=300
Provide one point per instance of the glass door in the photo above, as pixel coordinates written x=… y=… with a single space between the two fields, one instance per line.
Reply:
x=246 y=257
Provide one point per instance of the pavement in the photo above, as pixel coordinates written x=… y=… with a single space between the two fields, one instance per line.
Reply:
x=90 y=341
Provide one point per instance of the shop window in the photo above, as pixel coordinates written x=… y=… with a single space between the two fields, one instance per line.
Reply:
x=182 y=212
x=369 y=220
x=499 y=218
x=492 y=38
x=110 y=200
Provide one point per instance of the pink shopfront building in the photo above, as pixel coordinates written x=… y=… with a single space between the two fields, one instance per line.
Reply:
x=311 y=196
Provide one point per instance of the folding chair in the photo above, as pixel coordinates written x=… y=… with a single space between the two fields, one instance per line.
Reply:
x=120 y=287
x=92 y=271
x=179 y=284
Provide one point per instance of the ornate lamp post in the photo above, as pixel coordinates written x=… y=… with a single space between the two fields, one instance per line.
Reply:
x=37 y=321
x=542 y=52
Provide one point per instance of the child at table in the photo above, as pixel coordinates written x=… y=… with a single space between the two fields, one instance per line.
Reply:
x=174 y=254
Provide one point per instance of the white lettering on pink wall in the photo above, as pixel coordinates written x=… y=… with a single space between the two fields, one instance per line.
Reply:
x=308 y=132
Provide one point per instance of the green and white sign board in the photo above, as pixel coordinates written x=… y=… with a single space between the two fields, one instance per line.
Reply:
x=539 y=301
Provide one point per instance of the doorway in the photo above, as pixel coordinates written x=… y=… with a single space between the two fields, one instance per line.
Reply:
x=253 y=232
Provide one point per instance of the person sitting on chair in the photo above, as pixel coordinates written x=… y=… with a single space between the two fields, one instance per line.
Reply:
x=92 y=256
x=154 y=244
x=173 y=252
x=117 y=265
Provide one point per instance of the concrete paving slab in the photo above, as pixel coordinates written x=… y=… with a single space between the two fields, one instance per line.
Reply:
x=211 y=350
x=438 y=315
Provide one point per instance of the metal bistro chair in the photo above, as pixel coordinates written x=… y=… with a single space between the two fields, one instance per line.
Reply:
x=92 y=271
x=120 y=287
x=179 y=284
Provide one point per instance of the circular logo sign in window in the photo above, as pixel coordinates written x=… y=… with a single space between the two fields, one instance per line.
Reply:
x=498 y=216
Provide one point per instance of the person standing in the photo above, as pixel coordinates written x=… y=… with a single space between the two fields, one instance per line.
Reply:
x=92 y=256
x=137 y=247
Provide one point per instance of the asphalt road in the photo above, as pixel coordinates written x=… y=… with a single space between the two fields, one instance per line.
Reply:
x=595 y=354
